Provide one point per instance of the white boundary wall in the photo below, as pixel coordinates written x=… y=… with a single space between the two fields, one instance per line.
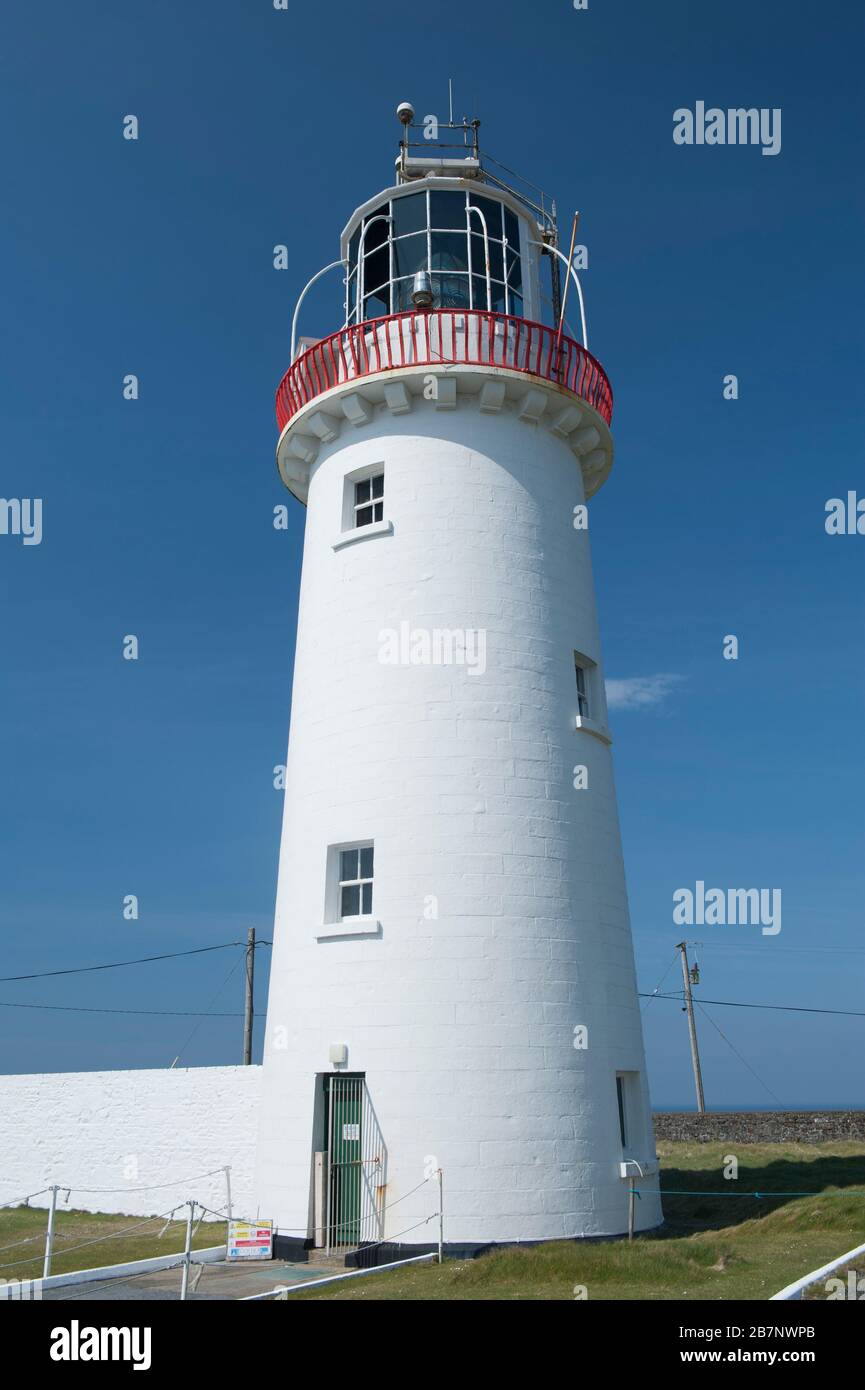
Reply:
x=126 y=1129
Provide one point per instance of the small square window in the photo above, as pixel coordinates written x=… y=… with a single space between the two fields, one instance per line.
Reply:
x=355 y=881
x=369 y=500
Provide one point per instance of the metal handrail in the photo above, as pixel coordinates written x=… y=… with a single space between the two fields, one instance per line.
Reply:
x=443 y=337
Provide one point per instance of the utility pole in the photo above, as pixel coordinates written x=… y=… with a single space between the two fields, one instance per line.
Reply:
x=248 y=1012
x=692 y=1027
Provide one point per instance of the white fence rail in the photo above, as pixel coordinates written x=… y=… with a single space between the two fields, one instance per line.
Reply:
x=796 y=1290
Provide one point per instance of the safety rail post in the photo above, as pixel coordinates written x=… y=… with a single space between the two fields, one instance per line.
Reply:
x=441 y=1216
x=187 y=1252
x=49 y=1234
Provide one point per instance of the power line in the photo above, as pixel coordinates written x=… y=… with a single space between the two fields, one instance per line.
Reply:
x=782 y=1008
x=807 y=950
x=116 y=965
x=191 y=1013
x=654 y=994
x=196 y=1027
x=738 y=1054
x=151 y=1013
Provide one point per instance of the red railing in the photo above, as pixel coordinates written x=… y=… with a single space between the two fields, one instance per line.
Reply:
x=440 y=337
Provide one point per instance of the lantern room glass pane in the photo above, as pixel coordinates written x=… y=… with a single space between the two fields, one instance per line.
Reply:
x=515 y=274
x=447 y=210
x=409 y=255
x=376 y=268
x=377 y=305
x=492 y=213
x=409 y=214
x=448 y=251
x=497 y=260
x=450 y=291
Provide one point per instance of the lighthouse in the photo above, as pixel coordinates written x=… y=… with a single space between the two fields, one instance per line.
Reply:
x=453 y=1047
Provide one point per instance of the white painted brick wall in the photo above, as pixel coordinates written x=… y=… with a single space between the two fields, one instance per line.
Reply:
x=464 y=1025
x=125 y=1129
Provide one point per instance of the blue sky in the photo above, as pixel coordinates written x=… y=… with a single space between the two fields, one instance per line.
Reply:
x=154 y=257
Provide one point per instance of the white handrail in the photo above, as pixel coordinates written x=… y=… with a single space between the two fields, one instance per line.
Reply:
x=379 y=217
x=308 y=286
x=469 y=209
x=796 y=1289
x=556 y=252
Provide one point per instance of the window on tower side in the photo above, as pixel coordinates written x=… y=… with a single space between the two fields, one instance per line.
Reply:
x=355 y=881
x=620 y=1096
x=630 y=1112
x=369 y=500
x=581 y=671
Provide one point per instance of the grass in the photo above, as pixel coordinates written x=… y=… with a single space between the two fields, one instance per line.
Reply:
x=711 y=1248
x=109 y=1243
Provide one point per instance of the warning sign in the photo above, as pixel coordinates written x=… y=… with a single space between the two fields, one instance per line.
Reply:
x=248 y=1240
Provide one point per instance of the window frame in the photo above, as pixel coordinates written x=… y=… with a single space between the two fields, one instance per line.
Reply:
x=584 y=669
x=622 y=1103
x=631 y=1118
x=360 y=882
x=374 y=503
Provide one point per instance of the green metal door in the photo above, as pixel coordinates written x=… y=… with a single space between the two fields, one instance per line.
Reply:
x=345 y=1127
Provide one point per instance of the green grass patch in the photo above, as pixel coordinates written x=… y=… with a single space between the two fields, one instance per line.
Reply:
x=104 y=1240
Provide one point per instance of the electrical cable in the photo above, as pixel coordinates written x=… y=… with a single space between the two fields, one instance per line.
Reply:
x=738 y=1054
x=117 y=964
x=780 y=1008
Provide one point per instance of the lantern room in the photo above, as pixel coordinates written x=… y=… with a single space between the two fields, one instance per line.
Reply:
x=440 y=243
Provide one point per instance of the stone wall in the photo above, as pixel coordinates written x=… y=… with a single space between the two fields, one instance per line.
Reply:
x=760 y=1127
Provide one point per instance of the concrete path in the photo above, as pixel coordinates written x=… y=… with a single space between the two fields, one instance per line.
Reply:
x=217 y=1281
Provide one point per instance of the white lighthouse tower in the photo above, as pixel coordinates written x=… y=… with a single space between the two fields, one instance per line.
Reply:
x=453 y=1006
